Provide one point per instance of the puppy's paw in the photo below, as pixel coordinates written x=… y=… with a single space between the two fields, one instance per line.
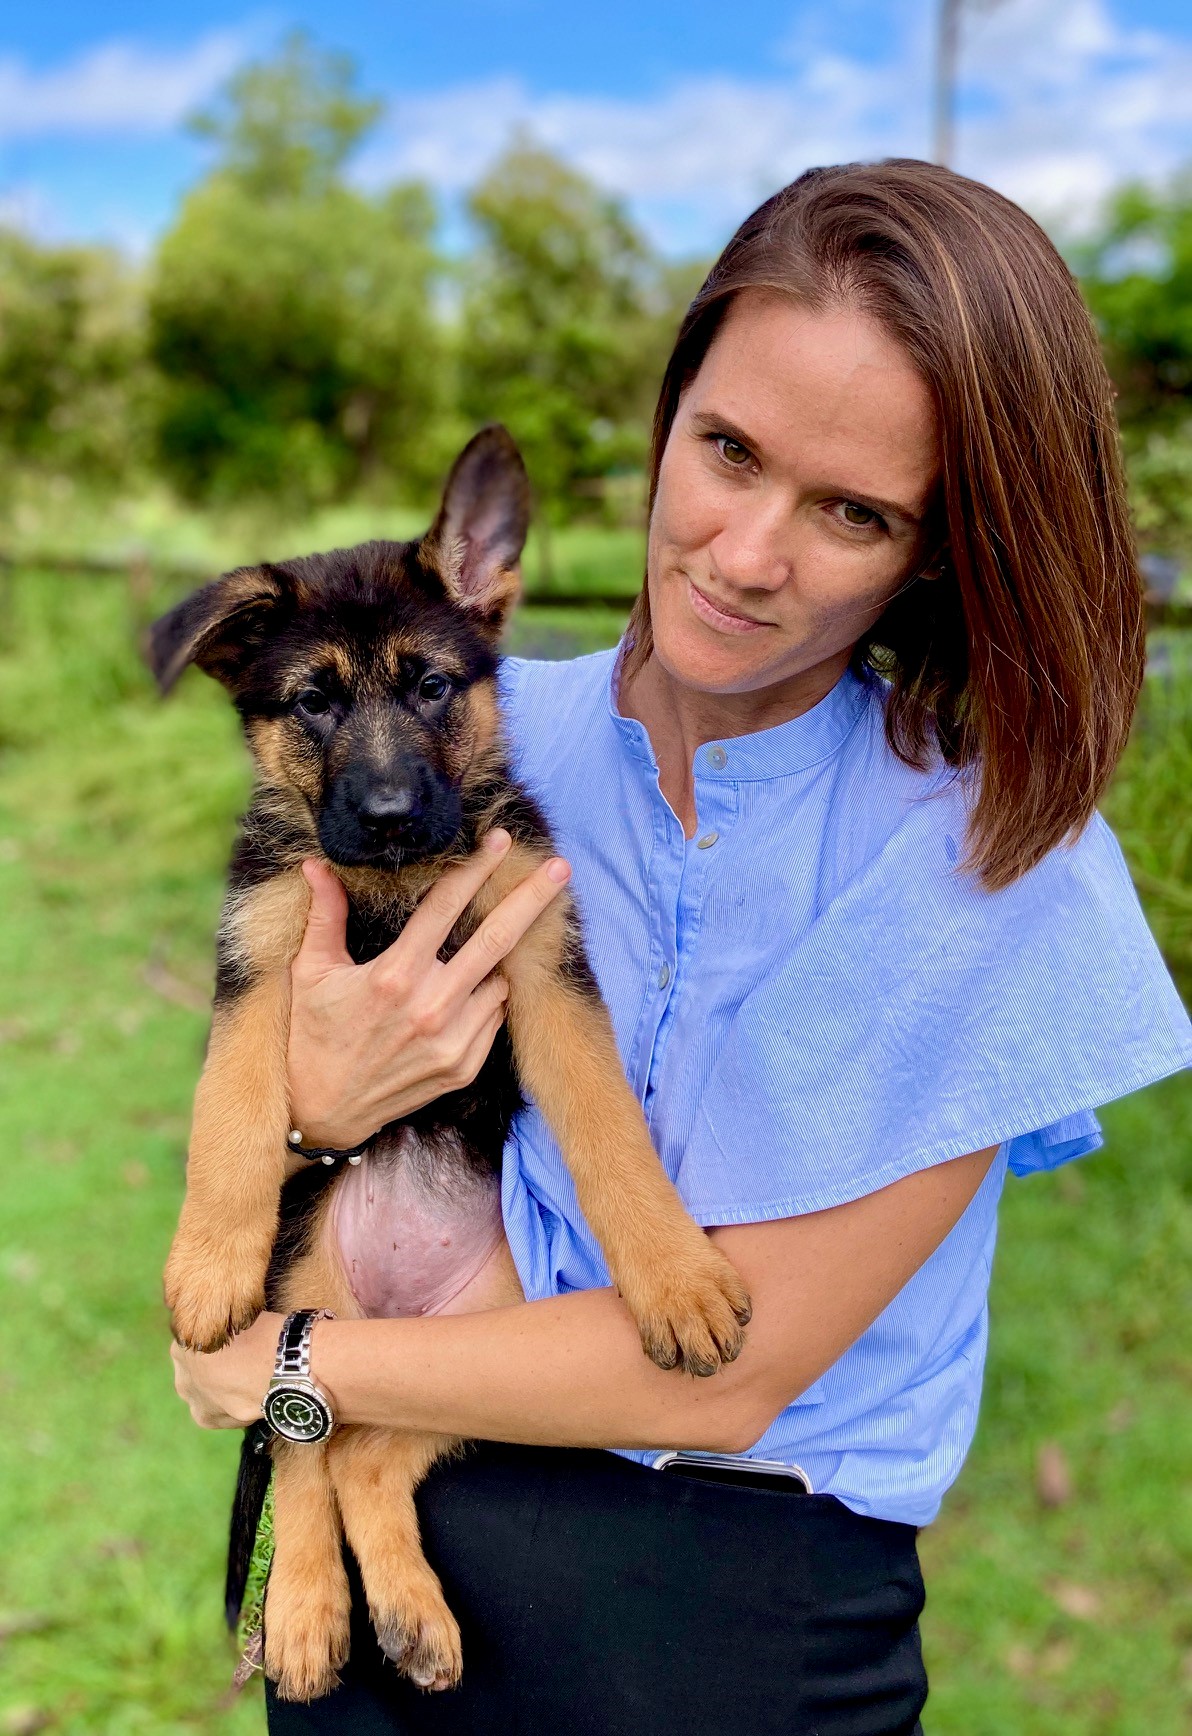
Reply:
x=417 y=1631
x=691 y=1308
x=212 y=1293
x=307 y=1634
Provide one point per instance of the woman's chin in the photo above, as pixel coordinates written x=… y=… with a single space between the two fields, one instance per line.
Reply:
x=710 y=662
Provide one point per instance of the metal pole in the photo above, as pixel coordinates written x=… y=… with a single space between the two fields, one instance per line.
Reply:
x=947 y=44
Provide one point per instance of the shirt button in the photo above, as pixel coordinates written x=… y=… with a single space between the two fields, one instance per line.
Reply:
x=717 y=757
x=664 y=976
x=707 y=841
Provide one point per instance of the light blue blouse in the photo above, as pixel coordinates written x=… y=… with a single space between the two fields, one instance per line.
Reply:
x=810 y=1003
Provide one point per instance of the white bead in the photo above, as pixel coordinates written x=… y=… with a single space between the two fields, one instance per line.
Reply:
x=356 y=1157
x=295 y=1136
x=328 y=1158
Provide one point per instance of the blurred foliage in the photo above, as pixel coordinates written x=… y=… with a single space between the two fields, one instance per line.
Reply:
x=297 y=342
x=567 y=320
x=1137 y=278
x=72 y=373
x=290 y=319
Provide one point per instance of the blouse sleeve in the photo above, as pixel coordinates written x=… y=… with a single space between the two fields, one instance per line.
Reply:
x=921 y=1018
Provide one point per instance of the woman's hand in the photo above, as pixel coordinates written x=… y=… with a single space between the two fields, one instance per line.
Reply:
x=226 y=1389
x=372 y=1042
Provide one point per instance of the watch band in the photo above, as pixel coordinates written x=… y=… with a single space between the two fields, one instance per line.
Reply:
x=293 y=1346
x=295 y=1407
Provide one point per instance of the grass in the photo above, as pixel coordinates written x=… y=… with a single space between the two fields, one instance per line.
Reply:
x=115 y=818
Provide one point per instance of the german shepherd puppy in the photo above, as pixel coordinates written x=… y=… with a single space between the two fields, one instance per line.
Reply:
x=365 y=682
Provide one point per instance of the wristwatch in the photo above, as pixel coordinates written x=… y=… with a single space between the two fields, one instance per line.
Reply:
x=295 y=1408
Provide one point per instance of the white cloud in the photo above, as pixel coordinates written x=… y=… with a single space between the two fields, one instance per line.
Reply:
x=1071 y=103
x=1059 y=102
x=118 y=87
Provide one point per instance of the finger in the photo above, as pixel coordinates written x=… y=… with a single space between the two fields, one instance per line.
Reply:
x=488 y=999
x=501 y=930
x=441 y=908
x=483 y=1012
x=477 y=1051
x=324 y=945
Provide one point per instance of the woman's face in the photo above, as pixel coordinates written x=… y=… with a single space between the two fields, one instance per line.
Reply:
x=792 y=498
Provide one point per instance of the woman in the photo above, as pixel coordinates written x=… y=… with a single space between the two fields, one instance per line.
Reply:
x=866 y=944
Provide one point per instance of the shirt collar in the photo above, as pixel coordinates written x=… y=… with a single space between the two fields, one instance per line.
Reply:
x=778 y=752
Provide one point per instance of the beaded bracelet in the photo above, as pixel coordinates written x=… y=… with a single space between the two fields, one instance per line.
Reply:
x=324 y=1153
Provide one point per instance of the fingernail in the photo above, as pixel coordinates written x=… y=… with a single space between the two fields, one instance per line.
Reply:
x=558 y=870
x=498 y=839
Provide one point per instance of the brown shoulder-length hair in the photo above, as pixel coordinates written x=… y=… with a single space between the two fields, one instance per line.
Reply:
x=1023 y=660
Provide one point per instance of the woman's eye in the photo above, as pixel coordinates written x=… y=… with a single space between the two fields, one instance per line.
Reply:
x=313 y=702
x=732 y=451
x=856 y=514
x=433 y=686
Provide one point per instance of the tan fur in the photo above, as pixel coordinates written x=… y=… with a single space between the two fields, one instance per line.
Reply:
x=308 y=1602
x=264 y=929
x=268 y=740
x=215 y=1275
x=364 y=1479
x=401 y=648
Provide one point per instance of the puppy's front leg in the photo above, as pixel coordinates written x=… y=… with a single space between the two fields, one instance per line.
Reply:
x=215 y=1275
x=687 y=1299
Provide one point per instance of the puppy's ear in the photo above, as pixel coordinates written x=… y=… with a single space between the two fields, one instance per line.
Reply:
x=476 y=541
x=217 y=628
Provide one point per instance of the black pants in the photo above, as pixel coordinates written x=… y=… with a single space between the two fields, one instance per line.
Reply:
x=597 y=1597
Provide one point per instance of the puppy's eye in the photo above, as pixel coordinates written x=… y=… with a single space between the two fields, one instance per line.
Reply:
x=312 y=702
x=433 y=686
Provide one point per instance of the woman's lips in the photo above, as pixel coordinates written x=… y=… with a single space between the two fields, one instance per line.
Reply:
x=720 y=618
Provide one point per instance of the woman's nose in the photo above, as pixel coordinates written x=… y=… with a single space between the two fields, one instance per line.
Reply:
x=752 y=550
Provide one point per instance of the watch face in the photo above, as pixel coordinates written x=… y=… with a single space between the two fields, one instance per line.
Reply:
x=297 y=1414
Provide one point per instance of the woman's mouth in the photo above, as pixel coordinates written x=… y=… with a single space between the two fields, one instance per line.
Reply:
x=715 y=615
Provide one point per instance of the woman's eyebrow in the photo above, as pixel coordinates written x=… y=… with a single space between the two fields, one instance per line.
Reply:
x=708 y=422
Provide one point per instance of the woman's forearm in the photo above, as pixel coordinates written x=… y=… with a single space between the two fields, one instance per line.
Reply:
x=568 y=1371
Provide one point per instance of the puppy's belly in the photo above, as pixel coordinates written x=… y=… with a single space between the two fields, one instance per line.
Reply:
x=414 y=1225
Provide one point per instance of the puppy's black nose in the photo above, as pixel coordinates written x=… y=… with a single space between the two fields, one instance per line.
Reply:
x=389 y=804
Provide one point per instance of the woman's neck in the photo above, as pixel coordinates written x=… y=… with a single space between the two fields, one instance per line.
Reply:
x=679 y=719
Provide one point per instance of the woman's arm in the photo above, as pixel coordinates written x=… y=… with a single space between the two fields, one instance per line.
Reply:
x=569 y=1371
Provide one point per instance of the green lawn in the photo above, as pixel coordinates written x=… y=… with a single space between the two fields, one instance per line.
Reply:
x=115 y=818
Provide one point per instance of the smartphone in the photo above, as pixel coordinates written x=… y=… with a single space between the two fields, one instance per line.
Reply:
x=744 y=1473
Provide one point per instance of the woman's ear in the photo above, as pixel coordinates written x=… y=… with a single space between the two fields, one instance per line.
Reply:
x=476 y=541
x=216 y=627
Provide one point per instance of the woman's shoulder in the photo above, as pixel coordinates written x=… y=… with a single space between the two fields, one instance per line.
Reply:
x=899 y=833
x=548 y=706
x=534 y=681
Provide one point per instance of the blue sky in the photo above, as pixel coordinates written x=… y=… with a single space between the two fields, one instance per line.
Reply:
x=691 y=111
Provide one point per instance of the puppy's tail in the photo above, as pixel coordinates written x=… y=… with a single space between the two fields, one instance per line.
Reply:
x=248 y=1503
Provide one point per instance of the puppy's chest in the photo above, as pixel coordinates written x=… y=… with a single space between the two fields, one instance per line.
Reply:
x=372 y=930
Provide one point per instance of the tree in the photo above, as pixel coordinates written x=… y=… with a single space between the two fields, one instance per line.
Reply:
x=1137 y=278
x=564 y=325
x=290 y=315
x=71 y=360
